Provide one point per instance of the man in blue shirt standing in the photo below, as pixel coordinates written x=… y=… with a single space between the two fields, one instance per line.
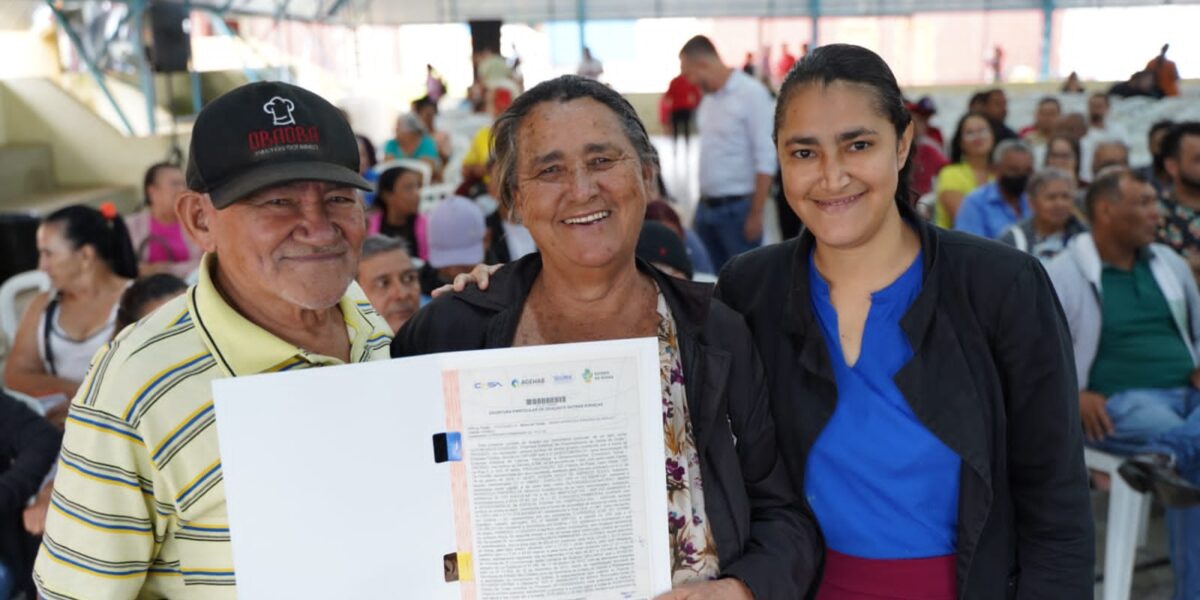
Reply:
x=993 y=207
x=737 y=156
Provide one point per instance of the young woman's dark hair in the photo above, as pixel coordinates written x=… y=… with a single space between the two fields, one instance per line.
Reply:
x=853 y=64
x=372 y=159
x=152 y=176
x=956 y=150
x=141 y=293
x=387 y=182
x=104 y=230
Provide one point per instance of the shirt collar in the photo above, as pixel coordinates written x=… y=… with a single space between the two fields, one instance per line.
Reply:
x=244 y=348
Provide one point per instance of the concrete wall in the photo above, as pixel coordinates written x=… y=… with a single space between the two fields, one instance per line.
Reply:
x=86 y=149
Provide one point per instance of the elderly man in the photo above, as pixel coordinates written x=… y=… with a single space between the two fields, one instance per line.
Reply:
x=994 y=207
x=386 y=273
x=139 y=506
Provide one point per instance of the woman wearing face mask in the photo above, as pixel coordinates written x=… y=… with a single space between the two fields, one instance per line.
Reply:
x=1054 y=222
x=921 y=379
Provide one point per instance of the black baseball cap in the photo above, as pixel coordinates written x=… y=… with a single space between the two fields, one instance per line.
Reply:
x=269 y=133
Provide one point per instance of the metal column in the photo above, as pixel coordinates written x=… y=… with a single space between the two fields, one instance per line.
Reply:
x=1047 y=37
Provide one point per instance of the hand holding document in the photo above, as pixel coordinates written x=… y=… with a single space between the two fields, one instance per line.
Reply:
x=522 y=473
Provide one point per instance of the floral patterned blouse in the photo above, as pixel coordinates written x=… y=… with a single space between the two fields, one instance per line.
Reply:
x=693 y=552
x=1180 y=228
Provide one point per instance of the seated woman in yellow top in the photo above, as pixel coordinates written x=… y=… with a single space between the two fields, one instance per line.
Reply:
x=969 y=168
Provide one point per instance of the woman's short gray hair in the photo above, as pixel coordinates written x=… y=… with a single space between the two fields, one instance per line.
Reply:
x=561 y=89
x=1048 y=175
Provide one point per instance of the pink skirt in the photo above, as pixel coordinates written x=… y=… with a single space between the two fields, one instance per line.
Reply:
x=852 y=578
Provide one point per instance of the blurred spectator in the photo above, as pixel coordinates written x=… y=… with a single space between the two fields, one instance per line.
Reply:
x=1134 y=314
x=1047 y=231
x=680 y=104
x=426 y=109
x=1138 y=84
x=490 y=67
x=786 y=60
x=1110 y=153
x=748 y=66
x=507 y=239
x=1156 y=171
x=90 y=261
x=474 y=166
x=1099 y=130
x=661 y=247
x=412 y=141
x=398 y=199
x=145 y=295
x=158 y=239
x=1072 y=125
x=928 y=159
x=435 y=86
x=994 y=207
x=977 y=103
x=1062 y=153
x=1072 y=85
x=662 y=212
x=970 y=166
x=366 y=155
x=995 y=108
x=922 y=110
x=387 y=275
x=1044 y=119
x=28 y=449
x=1166 y=74
x=1181 y=209
x=737 y=155
x=590 y=66
x=997 y=64
x=456 y=242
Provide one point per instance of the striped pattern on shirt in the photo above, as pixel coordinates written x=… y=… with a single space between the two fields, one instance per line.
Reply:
x=138 y=509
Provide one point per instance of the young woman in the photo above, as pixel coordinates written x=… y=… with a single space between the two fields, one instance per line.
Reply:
x=970 y=166
x=398 y=197
x=921 y=379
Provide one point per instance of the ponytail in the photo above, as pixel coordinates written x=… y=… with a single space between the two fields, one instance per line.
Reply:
x=104 y=230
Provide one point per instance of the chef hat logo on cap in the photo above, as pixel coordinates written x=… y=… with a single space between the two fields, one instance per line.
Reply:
x=266 y=134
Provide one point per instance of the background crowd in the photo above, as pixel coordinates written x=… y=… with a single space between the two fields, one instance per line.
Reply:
x=1056 y=185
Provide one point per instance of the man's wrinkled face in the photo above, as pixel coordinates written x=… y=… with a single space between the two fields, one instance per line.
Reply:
x=297 y=242
x=392 y=285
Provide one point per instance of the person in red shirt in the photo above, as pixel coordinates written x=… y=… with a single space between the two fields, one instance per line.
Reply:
x=677 y=106
x=786 y=60
x=929 y=157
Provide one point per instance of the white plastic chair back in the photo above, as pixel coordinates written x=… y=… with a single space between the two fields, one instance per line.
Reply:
x=1128 y=520
x=15 y=294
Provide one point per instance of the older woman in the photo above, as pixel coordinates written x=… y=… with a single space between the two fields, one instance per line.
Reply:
x=156 y=234
x=577 y=166
x=1054 y=222
x=90 y=261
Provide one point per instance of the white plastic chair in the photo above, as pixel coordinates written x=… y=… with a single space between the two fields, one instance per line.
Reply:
x=11 y=293
x=1128 y=521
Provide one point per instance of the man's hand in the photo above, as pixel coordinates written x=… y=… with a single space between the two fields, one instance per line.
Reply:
x=721 y=589
x=753 y=229
x=478 y=276
x=1096 y=423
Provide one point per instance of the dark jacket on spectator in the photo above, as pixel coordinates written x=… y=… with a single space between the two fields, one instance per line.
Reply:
x=28 y=448
x=991 y=376
x=762 y=536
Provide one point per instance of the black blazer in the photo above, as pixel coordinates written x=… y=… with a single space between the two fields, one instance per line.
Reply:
x=763 y=537
x=992 y=376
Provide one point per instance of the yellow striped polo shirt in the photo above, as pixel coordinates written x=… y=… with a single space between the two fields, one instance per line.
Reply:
x=138 y=509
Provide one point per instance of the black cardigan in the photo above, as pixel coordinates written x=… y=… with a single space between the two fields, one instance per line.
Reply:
x=992 y=376
x=28 y=448
x=762 y=536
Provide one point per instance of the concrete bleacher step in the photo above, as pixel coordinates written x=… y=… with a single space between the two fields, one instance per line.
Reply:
x=25 y=169
x=43 y=203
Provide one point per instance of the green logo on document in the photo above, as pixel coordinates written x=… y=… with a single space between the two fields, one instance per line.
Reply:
x=587 y=375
